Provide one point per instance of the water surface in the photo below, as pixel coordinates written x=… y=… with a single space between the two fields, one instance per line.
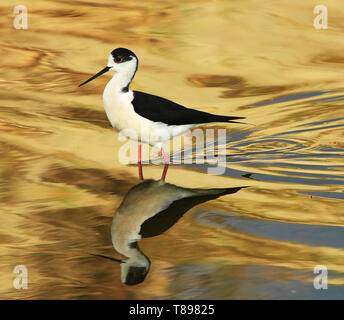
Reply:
x=61 y=180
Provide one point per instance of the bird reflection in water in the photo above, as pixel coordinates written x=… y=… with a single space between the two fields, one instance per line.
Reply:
x=149 y=209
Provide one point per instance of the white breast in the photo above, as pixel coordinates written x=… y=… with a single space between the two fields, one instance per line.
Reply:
x=122 y=116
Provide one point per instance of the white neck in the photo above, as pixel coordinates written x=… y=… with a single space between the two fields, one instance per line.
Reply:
x=124 y=74
x=135 y=256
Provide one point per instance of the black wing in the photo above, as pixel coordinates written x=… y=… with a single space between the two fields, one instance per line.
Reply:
x=158 y=109
x=166 y=218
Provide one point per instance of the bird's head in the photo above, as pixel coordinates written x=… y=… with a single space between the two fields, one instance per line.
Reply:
x=135 y=268
x=121 y=60
x=134 y=271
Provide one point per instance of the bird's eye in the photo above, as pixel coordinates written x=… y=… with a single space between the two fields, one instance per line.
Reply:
x=119 y=59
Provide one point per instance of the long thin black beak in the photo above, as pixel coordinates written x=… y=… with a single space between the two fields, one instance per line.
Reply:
x=106 y=69
x=106 y=257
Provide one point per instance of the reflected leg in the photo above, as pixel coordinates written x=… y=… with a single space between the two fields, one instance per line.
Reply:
x=167 y=163
x=139 y=163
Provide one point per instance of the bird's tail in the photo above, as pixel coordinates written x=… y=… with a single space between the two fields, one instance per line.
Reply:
x=230 y=119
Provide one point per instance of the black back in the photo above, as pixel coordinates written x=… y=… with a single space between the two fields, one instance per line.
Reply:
x=159 y=109
x=168 y=217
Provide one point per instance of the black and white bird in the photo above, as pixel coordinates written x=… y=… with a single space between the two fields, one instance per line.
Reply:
x=161 y=206
x=142 y=116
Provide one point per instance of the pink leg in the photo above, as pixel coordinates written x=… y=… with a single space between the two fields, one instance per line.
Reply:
x=140 y=164
x=163 y=176
x=167 y=163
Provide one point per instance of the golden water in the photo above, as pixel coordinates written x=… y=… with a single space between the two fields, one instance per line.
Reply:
x=61 y=180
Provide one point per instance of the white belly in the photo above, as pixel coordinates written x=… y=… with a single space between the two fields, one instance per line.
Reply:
x=123 y=117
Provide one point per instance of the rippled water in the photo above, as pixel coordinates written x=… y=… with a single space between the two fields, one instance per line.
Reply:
x=61 y=180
